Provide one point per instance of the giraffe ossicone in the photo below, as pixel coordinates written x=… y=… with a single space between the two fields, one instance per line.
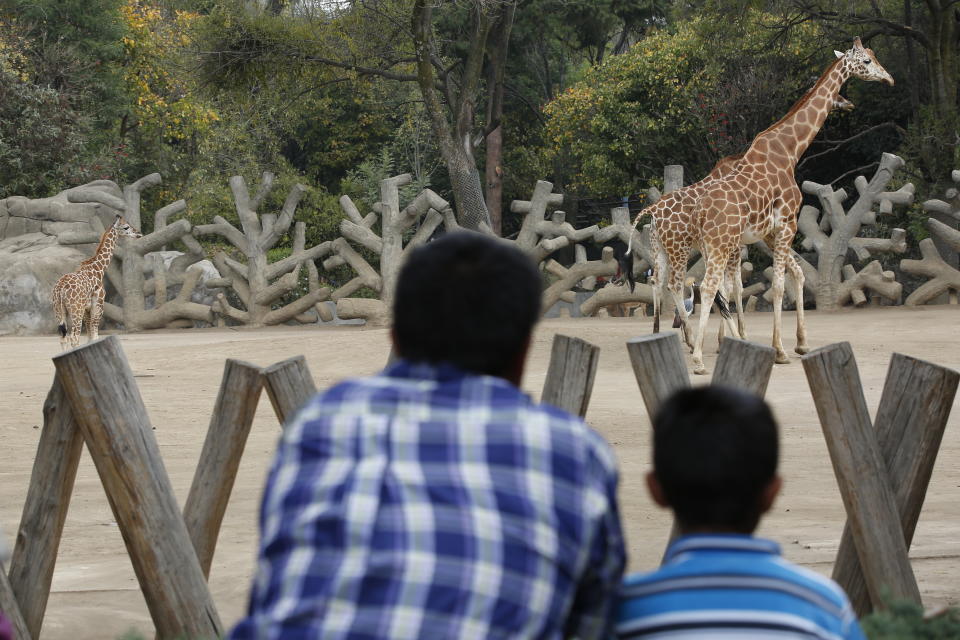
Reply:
x=81 y=290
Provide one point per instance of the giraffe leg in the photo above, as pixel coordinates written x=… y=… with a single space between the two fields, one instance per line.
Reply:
x=96 y=312
x=721 y=328
x=725 y=286
x=798 y=279
x=677 y=271
x=724 y=313
x=715 y=262
x=736 y=297
x=76 y=311
x=779 y=262
x=660 y=269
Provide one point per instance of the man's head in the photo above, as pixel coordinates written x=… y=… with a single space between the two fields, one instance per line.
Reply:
x=469 y=300
x=715 y=459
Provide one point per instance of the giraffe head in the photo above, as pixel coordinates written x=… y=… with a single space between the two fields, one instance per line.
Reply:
x=842 y=104
x=124 y=229
x=862 y=63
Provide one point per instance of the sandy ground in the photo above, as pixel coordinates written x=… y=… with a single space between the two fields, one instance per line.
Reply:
x=95 y=593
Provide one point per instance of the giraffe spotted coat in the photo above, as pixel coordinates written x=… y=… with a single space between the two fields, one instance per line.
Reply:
x=81 y=291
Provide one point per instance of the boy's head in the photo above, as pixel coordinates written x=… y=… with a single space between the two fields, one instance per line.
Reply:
x=715 y=459
x=469 y=300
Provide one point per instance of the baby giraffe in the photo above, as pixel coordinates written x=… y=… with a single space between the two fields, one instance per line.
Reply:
x=79 y=291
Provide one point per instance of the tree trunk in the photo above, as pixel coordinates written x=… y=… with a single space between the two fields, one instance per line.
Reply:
x=494 y=161
x=456 y=146
x=911 y=58
x=942 y=60
x=495 y=179
x=467 y=191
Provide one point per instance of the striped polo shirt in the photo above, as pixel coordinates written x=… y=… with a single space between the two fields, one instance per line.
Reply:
x=732 y=586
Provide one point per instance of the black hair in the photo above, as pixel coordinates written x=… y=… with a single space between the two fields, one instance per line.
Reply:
x=466 y=299
x=715 y=450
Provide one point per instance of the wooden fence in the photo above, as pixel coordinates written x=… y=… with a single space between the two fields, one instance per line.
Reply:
x=882 y=470
x=94 y=400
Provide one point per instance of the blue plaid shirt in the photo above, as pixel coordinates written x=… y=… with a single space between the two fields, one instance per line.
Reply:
x=425 y=502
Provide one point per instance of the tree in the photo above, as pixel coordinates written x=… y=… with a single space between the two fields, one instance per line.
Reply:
x=929 y=63
x=391 y=40
x=166 y=121
x=629 y=112
x=258 y=282
x=40 y=138
x=74 y=47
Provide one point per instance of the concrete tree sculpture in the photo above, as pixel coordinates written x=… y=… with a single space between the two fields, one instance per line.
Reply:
x=568 y=277
x=539 y=237
x=832 y=232
x=258 y=283
x=126 y=271
x=944 y=277
x=622 y=229
x=428 y=211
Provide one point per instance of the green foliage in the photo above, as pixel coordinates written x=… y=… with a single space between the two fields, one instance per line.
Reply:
x=165 y=121
x=930 y=146
x=333 y=127
x=208 y=194
x=906 y=621
x=74 y=47
x=41 y=139
x=687 y=95
x=363 y=183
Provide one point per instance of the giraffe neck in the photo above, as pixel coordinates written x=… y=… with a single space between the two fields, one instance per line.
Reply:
x=791 y=135
x=97 y=265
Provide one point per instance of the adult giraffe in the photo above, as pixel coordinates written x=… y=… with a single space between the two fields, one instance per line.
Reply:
x=674 y=214
x=79 y=291
x=759 y=199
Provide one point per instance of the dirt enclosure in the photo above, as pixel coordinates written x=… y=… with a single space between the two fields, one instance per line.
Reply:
x=95 y=593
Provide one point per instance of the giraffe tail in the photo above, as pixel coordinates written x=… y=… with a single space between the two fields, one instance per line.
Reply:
x=722 y=305
x=58 y=312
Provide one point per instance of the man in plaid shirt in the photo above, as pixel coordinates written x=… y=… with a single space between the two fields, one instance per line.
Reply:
x=435 y=499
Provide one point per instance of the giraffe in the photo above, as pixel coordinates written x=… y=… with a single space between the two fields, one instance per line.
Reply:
x=676 y=210
x=82 y=290
x=759 y=199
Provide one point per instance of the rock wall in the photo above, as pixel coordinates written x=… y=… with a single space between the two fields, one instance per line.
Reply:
x=30 y=264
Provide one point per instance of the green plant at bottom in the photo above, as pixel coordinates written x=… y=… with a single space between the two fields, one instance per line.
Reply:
x=902 y=620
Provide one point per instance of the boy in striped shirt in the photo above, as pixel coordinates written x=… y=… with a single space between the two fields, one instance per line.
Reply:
x=714 y=464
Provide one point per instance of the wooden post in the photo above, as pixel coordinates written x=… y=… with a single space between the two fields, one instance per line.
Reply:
x=217 y=468
x=660 y=370
x=659 y=367
x=570 y=375
x=861 y=474
x=744 y=365
x=916 y=402
x=11 y=608
x=45 y=509
x=289 y=385
x=106 y=402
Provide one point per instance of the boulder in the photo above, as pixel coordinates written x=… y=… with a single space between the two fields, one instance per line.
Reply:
x=30 y=264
